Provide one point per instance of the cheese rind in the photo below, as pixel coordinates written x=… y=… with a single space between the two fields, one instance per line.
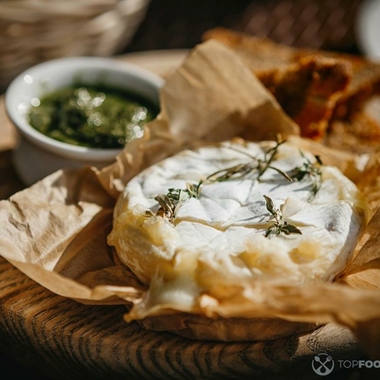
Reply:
x=218 y=239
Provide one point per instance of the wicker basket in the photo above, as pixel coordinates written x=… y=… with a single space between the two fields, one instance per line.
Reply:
x=33 y=31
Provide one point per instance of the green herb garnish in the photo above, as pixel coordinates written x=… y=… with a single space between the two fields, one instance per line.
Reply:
x=173 y=200
x=170 y=203
x=280 y=225
x=311 y=169
x=257 y=165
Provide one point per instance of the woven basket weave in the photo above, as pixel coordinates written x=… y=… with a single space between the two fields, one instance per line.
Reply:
x=33 y=31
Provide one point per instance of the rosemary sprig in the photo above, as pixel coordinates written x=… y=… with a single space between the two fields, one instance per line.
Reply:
x=280 y=225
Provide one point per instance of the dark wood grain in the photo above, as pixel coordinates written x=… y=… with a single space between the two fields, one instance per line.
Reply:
x=62 y=339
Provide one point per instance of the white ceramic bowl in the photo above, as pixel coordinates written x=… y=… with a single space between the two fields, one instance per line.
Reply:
x=38 y=155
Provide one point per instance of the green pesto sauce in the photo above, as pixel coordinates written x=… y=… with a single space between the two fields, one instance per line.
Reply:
x=91 y=116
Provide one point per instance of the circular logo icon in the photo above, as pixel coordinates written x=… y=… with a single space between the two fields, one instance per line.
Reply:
x=322 y=364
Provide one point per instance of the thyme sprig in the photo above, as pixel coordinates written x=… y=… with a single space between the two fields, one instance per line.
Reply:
x=173 y=200
x=170 y=203
x=260 y=166
x=311 y=169
x=280 y=225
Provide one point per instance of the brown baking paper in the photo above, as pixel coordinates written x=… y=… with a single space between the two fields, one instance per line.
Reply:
x=55 y=231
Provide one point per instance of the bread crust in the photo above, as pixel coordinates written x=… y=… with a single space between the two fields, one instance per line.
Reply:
x=317 y=89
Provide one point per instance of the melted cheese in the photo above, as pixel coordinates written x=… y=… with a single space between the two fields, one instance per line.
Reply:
x=218 y=239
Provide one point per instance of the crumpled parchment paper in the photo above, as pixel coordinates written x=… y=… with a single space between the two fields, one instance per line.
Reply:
x=55 y=231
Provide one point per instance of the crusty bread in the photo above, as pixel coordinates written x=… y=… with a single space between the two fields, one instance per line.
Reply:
x=264 y=57
x=318 y=89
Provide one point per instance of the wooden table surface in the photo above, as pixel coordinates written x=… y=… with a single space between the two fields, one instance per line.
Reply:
x=57 y=338
x=45 y=336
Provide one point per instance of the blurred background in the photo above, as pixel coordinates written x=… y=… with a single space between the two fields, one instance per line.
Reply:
x=327 y=24
x=32 y=31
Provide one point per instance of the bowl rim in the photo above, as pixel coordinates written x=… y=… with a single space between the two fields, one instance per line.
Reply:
x=71 y=64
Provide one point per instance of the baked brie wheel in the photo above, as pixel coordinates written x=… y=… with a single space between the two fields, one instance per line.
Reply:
x=199 y=225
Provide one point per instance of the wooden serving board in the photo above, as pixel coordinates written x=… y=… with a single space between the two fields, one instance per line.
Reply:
x=62 y=339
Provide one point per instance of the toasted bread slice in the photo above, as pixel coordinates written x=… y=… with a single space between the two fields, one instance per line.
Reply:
x=314 y=87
